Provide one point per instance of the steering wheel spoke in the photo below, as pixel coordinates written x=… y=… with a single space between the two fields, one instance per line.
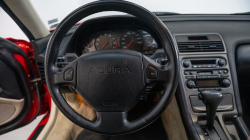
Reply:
x=112 y=120
x=67 y=76
x=154 y=72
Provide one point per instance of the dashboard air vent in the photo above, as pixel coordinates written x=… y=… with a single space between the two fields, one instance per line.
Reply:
x=207 y=46
x=189 y=46
x=41 y=70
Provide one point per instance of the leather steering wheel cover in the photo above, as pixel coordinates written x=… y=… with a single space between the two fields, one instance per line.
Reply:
x=160 y=29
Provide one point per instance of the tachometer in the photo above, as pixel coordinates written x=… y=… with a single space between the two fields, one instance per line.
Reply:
x=105 y=41
x=132 y=40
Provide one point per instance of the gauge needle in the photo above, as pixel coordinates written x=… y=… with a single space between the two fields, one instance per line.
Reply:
x=130 y=44
x=104 y=45
x=87 y=44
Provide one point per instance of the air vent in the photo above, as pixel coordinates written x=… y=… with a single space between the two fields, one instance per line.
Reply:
x=41 y=70
x=189 y=46
x=207 y=46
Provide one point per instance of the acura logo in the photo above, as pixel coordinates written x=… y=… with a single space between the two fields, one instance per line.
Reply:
x=109 y=70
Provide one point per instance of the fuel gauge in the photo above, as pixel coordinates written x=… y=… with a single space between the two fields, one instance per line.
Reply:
x=148 y=40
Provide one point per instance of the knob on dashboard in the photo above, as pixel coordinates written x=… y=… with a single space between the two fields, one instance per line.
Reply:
x=222 y=62
x=191 y=84
x=226 y=82
x=186 y=63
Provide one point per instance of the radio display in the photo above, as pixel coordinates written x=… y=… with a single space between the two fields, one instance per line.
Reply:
x=195 y=62
x=207 y=83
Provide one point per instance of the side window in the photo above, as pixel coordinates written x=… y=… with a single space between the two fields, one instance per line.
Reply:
x=8 y=27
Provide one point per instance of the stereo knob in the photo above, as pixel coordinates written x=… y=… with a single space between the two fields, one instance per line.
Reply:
x=191 y=84
x=222 y=62
x=186 y=63
x=226 y=82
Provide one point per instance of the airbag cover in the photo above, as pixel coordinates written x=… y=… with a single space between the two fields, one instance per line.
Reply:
x=112 y=79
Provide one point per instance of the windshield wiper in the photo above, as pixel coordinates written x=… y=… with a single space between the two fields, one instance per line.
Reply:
x=165 y=13
x=245 y=13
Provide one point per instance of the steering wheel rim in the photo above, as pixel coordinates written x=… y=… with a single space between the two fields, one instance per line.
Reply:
x=119 y=123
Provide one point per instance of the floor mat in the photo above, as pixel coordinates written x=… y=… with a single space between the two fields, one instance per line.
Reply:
x=155 y=131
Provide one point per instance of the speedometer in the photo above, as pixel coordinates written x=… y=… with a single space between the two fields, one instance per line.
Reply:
x=132 y=40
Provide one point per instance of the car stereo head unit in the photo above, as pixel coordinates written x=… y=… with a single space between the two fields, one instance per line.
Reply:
x=204 y=63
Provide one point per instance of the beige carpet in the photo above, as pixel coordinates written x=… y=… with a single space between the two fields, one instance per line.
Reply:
x=64 y=129
x=172 y=122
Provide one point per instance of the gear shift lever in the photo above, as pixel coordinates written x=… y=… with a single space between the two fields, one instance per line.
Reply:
x=211 y=99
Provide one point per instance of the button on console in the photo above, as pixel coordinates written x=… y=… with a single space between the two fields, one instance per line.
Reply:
x=193 y=72
x=198 y=77
x=186 y=73
x=219 y=89
x=224 y=76
x=204 y=77
x=189 y=77
x=201 y=89
x=210 y=77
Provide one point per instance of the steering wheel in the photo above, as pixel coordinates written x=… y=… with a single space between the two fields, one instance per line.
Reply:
x=110 y=81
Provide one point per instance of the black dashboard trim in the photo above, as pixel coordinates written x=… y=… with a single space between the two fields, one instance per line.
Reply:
x=175 y=18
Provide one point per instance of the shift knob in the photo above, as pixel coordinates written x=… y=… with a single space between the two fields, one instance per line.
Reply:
x=211 y=99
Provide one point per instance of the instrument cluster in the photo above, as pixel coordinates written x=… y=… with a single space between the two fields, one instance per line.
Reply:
x=136 y=40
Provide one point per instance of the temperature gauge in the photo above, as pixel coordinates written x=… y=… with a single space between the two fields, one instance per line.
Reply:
x=150 y=49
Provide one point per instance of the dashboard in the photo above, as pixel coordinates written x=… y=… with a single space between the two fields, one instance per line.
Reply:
x=137 y=40
x=226 y=31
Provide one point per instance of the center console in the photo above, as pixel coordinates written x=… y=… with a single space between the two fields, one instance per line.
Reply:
x=205 y=80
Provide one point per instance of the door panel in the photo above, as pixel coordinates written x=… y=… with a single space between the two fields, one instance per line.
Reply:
x=20 y=88
x=10 y=109
x=11 y=97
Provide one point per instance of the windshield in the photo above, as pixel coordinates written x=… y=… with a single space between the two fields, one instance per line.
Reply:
x=53 y=11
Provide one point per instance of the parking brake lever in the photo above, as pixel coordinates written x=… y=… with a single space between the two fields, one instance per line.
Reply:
x=211 y=99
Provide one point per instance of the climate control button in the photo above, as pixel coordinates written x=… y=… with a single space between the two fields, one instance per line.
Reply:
x=186 y=63
x=225 y=82
x=191 y=84
x=222 y=62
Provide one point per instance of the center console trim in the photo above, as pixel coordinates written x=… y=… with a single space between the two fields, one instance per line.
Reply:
x=185 y=98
